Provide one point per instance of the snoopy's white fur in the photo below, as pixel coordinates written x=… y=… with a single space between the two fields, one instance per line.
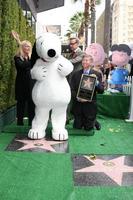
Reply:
x=51 y=90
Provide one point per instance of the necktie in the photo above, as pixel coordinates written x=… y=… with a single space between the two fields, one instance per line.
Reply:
x=73 y=54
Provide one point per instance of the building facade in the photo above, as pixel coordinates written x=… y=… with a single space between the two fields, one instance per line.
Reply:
x=32 y=7
x=100 y=29
x=122 y=21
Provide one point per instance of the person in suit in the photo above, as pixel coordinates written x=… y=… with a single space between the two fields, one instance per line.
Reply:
x=75 y=56
x=97 y=52
x=23 y=82
x=85 y=112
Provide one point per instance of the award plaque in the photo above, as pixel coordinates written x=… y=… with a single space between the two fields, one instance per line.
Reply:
x=86 y=87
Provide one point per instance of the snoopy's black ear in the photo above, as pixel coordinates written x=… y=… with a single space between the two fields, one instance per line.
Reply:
x=34 y=55
x=114 y=47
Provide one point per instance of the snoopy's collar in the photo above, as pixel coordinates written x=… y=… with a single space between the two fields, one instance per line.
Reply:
x=43 y=60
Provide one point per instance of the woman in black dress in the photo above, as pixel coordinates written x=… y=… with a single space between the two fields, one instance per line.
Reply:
x=24 y=83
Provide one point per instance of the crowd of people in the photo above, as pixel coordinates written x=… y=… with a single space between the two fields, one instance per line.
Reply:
x=84 y=112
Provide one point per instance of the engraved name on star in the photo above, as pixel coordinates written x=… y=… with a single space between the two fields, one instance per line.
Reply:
x=114 y=168
x=42 y=143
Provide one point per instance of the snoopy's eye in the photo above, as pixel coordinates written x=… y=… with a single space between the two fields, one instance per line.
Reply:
x=41 y=43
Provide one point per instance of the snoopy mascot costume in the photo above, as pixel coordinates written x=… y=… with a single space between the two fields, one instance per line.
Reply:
x=51 y=91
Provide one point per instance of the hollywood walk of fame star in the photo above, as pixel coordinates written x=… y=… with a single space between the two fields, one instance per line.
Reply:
x=114 y=168
x=87 y=84
x=43 y=144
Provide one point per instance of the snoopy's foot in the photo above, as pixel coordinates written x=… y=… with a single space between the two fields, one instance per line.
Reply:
x=63 y=135
x=36 y=134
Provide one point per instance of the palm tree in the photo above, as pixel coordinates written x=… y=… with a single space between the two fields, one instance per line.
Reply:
x=86 y=14
x=76 y=25
x=89 y=7
x=93 y=4
x=87 y=20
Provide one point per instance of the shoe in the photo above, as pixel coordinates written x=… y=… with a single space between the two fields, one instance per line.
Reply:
x=29 y=123
x=67 y=121
x=97 y=125
x=20 y=123
x=77 y=127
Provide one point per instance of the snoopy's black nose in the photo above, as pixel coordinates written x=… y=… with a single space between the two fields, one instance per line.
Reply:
x=51 y=53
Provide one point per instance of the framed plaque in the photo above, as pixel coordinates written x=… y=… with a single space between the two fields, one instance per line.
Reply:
x=86 y=87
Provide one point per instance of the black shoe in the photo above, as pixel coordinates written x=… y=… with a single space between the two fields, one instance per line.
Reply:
x=77 y=127
x=97 y=125
x=67 y=121
x=29 y=123
x=20 y=123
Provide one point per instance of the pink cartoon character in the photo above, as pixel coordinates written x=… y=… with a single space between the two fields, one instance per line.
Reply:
x=120 y=57
x=97 y=52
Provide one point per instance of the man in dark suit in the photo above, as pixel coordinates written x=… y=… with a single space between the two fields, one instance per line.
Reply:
x=76 y=56
x=84 y=111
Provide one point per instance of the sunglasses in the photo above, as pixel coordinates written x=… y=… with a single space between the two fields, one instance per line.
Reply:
x=73 y=43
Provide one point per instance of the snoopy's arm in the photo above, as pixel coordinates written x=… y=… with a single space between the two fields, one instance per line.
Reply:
x=65 y=67
x=38 y=72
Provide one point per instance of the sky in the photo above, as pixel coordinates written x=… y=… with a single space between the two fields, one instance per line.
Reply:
x=62 y=15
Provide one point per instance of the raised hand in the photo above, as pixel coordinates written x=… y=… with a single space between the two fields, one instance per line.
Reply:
x=15 y=35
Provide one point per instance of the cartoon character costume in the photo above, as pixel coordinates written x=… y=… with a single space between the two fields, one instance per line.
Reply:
x=51 y=91
x=97 y=52
x=120 y=57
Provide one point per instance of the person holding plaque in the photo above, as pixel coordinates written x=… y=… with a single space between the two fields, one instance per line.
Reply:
x=85 y=84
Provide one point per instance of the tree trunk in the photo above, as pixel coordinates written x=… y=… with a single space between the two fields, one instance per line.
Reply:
x=93 y=17
x=87 y=19
x=107 y=19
